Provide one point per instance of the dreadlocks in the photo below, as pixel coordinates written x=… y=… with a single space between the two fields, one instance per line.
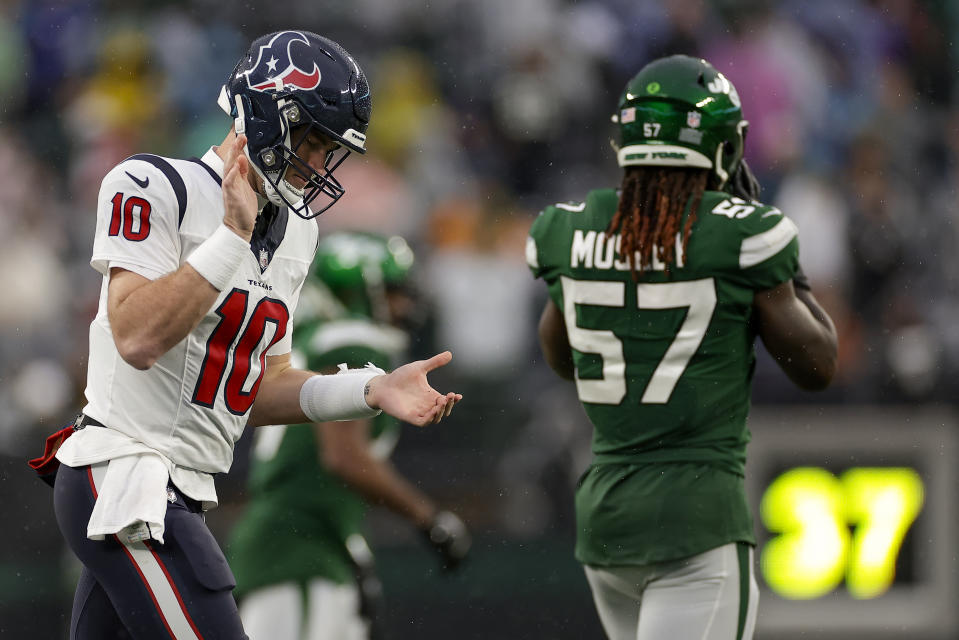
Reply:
x=651 y=211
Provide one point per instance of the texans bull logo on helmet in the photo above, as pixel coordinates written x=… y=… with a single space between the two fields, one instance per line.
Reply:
x=278 y=60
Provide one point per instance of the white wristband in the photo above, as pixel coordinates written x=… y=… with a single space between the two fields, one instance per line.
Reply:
x=338 y=396
x=219 y=256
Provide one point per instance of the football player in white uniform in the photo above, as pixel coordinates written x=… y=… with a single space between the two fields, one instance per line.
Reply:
x=202 y=264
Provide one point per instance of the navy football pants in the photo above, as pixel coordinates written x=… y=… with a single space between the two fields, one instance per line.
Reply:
x=179 y=590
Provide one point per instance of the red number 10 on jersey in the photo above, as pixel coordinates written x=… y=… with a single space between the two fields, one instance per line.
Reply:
x=232 y=313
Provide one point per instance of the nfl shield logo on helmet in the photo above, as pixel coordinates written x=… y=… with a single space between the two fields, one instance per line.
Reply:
x=264 y=259
x=694 y=119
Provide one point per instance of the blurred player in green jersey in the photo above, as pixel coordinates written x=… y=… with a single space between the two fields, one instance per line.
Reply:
x=303 y=569
x=657 y=292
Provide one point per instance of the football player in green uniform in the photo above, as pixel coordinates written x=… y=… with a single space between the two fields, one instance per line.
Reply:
x=657 y=292
x=302 y=567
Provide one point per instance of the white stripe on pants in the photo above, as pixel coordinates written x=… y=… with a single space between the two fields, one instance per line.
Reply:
x=155 y=577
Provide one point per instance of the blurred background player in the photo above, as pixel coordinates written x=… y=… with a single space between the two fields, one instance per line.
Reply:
x=303 y=568
x=657 y=292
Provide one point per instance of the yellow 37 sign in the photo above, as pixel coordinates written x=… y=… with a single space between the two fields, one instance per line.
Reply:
x=812 y=510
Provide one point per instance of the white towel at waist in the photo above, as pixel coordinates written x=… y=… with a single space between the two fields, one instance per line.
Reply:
x=98 y=444
x=131 y=498
x=131 y=480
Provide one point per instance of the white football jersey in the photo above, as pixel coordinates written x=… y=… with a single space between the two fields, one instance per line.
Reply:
x=193 y=404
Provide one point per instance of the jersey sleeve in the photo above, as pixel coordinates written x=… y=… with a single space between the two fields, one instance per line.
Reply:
x=137 y=222
x=769 y=248
x=532 y=249
x=537 y=244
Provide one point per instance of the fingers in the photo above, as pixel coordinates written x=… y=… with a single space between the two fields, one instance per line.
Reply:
x=242 y=166
x=437 y=361
x=431 y=417
x=235 y=151
x=451 y=399
x=442 y=408
x=438 y=411
x=236 y=158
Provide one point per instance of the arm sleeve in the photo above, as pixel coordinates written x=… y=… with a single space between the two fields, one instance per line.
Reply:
x=137 y=222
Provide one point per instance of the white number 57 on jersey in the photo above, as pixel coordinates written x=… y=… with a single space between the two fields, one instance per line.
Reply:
x=698 y=296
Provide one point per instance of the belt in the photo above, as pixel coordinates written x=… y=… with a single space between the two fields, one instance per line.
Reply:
x=83 y=420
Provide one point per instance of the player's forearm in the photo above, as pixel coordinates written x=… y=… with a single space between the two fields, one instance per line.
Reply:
x=379 y=483
x=820 y=347
x=554 y=341
x=278 y=398
x=818 y=313
x=810 y=366
x=799 y=334
x=149 y=317
x=288 y=396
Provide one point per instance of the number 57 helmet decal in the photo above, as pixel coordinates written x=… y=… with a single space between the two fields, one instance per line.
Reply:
x=289 y=85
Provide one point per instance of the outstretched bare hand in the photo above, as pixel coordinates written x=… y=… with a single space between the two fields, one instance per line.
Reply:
x=406 y=395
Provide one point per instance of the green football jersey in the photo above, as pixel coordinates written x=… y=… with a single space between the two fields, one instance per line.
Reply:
x=663 y=369
x=300 y=515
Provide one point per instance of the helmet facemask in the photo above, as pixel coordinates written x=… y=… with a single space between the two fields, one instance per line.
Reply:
x=276 y=164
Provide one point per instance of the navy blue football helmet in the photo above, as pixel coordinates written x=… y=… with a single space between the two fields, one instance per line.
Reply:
x=288 y=85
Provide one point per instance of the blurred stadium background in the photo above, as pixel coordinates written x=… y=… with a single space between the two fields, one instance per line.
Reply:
x=484 y=112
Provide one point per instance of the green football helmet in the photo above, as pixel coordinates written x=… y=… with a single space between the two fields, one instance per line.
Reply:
x=359 y=267
x=680 y=111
